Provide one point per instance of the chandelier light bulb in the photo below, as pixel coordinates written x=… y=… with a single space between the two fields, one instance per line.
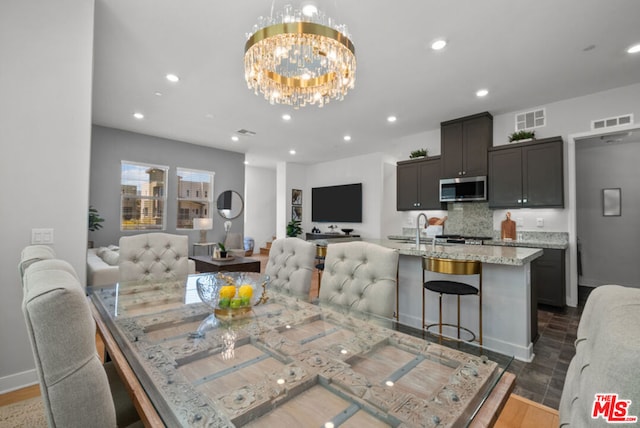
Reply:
x=299 y=57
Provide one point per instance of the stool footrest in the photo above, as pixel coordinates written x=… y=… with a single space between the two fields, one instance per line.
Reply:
x=454 y=326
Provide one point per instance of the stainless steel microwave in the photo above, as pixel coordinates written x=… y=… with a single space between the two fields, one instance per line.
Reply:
x=463 y=189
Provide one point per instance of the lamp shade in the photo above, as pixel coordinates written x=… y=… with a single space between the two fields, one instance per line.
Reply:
x=202 y=223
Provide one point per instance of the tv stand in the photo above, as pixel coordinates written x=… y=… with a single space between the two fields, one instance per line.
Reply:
x=312 y=236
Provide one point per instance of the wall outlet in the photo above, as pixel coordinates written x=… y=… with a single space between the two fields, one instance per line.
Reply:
x=519 y=221
x=41 y=236
x=540 y=222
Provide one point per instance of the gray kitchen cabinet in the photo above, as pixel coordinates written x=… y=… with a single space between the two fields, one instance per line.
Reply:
x=527 y=175
x=464 y=143
x=548 y=277
x=418 y=184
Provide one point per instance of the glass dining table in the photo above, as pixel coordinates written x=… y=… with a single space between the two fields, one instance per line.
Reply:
x=289 y=362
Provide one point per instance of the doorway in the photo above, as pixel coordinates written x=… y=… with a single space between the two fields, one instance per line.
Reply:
x=609 y=244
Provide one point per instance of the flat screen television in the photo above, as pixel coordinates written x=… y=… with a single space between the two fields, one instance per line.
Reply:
x=337 y=203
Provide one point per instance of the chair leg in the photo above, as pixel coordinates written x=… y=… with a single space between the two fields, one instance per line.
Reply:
x=440 y=315
x=458 y=317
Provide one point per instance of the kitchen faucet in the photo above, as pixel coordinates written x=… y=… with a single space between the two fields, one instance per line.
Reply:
x=426 y=222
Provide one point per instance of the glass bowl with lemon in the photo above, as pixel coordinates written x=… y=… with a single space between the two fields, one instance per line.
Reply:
x=232 y=294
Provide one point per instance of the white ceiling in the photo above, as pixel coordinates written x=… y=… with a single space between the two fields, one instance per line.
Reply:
x=526 y=53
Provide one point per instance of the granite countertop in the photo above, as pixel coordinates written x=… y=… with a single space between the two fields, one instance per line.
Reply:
x=495 y=254
x=550 y=244
x=551 y=240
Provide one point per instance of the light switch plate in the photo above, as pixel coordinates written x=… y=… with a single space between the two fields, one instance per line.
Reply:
x=41 y=236
x=540 y=222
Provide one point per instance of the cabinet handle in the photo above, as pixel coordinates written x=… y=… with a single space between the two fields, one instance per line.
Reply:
x=524 y=201
x=464 y=172
x=519 y=201
x=459 y=172
x=418 y=204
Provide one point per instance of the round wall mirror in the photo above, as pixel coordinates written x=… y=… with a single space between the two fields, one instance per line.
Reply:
x=230 y=204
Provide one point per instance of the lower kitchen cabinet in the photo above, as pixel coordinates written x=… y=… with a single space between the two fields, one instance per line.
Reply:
x=548 y=277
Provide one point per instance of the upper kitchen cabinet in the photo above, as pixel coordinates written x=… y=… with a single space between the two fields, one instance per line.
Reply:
x=527 y=175
x=418 y=184
x=465 y=142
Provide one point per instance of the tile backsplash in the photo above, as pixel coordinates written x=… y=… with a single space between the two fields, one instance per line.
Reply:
x=469 y=219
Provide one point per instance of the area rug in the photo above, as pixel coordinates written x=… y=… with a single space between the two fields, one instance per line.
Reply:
x=28 y=414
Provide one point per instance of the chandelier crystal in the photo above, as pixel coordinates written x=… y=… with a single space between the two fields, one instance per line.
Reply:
x=298 y=59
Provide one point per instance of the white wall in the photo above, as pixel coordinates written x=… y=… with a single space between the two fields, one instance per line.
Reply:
x=260 y=211
x=366 y=169
x=565 y=118
x=45 y=127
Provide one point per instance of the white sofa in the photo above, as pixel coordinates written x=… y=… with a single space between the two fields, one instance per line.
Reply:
x=102 y=266
x=606 y=360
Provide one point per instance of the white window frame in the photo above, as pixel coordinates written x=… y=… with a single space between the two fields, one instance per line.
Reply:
x=125 y=198
x=193 y=196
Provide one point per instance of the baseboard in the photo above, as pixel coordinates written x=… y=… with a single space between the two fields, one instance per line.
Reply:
x=18 y=381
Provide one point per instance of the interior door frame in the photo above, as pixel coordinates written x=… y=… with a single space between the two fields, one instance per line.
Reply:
x=572 y=271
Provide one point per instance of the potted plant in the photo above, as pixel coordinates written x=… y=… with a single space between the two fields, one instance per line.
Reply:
x=94 y=219
x=522 y=136
x=420 y=153
x=293 y=228
x=223 y=250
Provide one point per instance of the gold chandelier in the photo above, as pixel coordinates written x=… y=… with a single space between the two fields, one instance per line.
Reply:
x=298 y=58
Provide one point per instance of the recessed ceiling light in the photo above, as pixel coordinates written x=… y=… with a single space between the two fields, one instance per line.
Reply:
x=157 y=94
x=392 y=119
x=292 y=152
x=482 y=93
x=208 y=116
x=438 y=44
x=347 y=138
x=138 y=115
x=286 y=116
x=235 y=138
x=634 y=49
x=172 y=78
x=309 y=10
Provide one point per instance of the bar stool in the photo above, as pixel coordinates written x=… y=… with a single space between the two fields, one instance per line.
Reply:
x=452 y=267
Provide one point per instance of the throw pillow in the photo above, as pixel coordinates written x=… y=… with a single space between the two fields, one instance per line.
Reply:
x=110 y=257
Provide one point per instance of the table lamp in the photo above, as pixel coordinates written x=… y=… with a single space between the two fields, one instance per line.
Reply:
x=202 y=224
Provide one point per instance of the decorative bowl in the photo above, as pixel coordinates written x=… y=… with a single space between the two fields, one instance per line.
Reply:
x=347 y=231
x=232 y=294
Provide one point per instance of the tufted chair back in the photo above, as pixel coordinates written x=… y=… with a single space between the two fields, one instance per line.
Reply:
x=32 y=254
x=290 y=266
x=361 y=276
x=74 y=386
x=154 y=256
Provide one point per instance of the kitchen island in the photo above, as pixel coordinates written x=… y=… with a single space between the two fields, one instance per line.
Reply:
x=508 y=309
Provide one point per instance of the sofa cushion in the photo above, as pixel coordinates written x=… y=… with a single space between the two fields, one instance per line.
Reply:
x=606 y=360
x=109 y=256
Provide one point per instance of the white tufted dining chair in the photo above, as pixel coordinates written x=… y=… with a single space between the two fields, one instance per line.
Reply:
x=290 y=266
x=154 y=256
x=361 y=276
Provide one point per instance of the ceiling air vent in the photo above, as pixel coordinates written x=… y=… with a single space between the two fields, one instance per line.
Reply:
x=625 y=119
x=245 y=132
x=531 y=119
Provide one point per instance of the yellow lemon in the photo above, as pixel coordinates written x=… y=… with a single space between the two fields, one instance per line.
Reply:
x=245 y=291
x=227 y=292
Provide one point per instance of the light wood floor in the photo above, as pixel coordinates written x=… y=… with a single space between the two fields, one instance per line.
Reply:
x=519 y=412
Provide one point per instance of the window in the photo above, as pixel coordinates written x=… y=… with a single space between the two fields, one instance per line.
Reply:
x=193 y=182
x=143 y=196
